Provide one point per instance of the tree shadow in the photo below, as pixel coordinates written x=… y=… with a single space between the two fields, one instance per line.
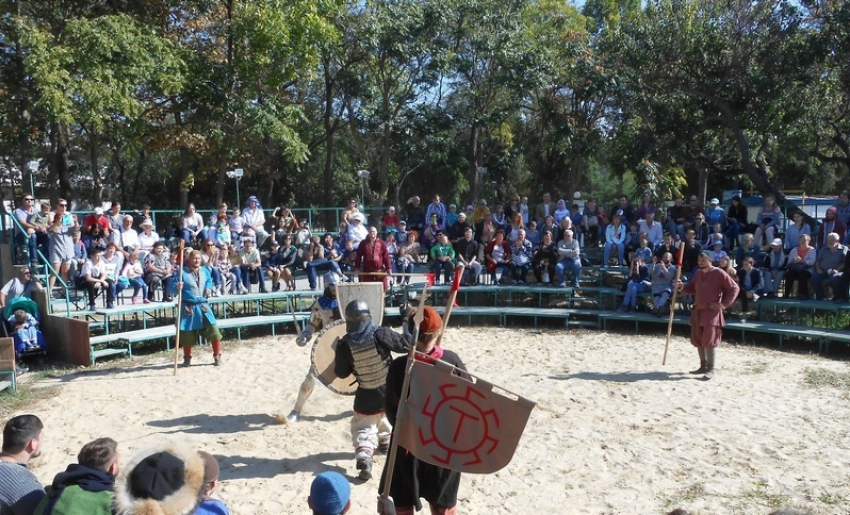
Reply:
x=624 y=377
x=216 y=424
x=243 y=467
x=109 y=371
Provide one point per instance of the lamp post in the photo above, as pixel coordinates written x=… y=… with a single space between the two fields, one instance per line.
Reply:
x=33 y=166
x=364 y=176
x=237 y=174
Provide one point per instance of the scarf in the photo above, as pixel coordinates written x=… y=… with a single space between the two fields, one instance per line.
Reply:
x=255 y=199
x=435 y=354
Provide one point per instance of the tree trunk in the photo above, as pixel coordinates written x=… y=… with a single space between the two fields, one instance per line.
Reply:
x=473 y=155
x=59 y=159
x=330 y=128
x=94 y=157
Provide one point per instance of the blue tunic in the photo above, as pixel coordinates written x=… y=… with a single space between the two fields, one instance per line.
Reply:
x=193 y=297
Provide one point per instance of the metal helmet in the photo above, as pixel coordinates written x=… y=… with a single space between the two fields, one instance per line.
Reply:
x=356 y=312
x=331 y=278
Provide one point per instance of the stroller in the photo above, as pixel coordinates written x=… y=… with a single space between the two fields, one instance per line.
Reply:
x=23 y=352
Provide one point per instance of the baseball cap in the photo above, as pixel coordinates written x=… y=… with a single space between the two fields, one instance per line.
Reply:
x=98 y=211
x=714 y=201
x=776 y=242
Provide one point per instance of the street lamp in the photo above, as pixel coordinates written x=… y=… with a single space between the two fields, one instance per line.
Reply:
x=237 y=174
x=364 y=176
x=33 y=166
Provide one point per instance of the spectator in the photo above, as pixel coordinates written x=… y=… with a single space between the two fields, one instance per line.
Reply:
x=97 y=219
x=439 y=209
x=208 y=505
x=147 y=239
x=21 y=286
x=561 y=211
x=209 y=260
x=693 y=249
x=228 y=272
x=717 y=253
x=485 y=232
x=498 y=255
x=748 y=249
x=716 y=236
x=466 y=252
x=549 y=225
x=220 y=234
x=415 y=215
x=61 y=236
x=513 y=207
x=408 y=255
x=429 y=236
x=830 y=261
x=532 y=234
x=94 y=279
x=442 y=259
x=700 y=228
x=168 y=479
x=768 y=220
x=27 y=238
x=27 y=336
x=544 y=208
x=392 y=248
x=523 y=208
x=251 y=266
x=80 y=256
x=208 y=232
x=349 y=256
x=666 y=245
x=113 y=263
x=144 y=214
x=129 y=237
x=515 y=226
x=285 y=224
x=566 y=224
x=795 y=230
x=843 y=208
x=20 y=491
x=480 y=212
x=715 y=214
x=590 y=225
x=521 y=251
x=158 y=271
x=273 y=264
x=134 y=273
x=255 y=219
x=302 y=236
x=41 y=220
x=286 y=261
x=499 y=217
x=95 y=239
x=626 y=212
x=799 y=271
x=773 y=268
x=348 y=213
x=662 y=273
x=237 y=225
x=458 y=229
x=654 y=231
x=390 y=221
x=644 y=252
x=577 y=218
x=750 y=283
x=191 y=224
x=615 y=238
x=694 y=208
x=569 y=259
x=329 y=494
x=632 y=241
x=115 y=218
x=86 y=486
x=356 y=231
x=725 y=264
x=638 y=283
x=736 y=220
x=831 y=224
x=646 y=207
x=544 y=260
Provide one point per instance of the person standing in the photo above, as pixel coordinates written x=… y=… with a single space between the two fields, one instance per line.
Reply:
x=714 y=291
x=196 y=317
x=20 y=491
x=373 y=256
x=365 y=351
x=414 y=479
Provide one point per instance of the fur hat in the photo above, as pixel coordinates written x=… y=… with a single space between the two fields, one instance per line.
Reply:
x=165 y=480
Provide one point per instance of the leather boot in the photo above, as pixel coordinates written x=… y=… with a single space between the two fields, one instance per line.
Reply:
x=187 y=361
x=702 y=362
x=709 y=363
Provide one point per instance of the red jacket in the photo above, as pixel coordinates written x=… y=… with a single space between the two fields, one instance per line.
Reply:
x=373 y=257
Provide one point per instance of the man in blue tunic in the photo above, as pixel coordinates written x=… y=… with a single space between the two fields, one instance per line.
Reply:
x=196 y=317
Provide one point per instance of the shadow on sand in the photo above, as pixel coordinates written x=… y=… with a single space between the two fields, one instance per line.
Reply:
x=241 y=467
x=216 y=424
x=624 y=377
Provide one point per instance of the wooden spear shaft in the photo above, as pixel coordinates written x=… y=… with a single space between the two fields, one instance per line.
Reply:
x=673 y=301
x=450 y=304
x=179 y=306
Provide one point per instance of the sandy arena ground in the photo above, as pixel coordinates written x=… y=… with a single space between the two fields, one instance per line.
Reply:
x=613 y=432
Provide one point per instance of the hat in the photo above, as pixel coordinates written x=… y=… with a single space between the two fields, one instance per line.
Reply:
x=568 y=231
x=482 y=202
x=166 y=479
x=329 y=493
x=275 y=243
x=776 y=242
x=717 y=242
x=469 y=207
x=714 y=201
x=98 y=210
x=620 y=212
x=736 y=197
x=402 y=222
x=707 y=254
x=147 y=223
x=211 y=470
x=452 y=206
x=431 y=321
x=331 y=278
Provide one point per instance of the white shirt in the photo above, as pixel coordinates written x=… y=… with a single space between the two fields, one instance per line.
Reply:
x=254 y=217
x=130 y=238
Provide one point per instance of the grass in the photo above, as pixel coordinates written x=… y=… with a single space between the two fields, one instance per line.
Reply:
x=755 y=367
x=26 y=396
x=820 y=377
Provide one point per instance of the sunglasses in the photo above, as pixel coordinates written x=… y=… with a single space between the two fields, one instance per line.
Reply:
x=29 y=199
x=63 y=205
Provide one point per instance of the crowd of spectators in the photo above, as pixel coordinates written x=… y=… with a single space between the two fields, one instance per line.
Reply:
x=548 y=242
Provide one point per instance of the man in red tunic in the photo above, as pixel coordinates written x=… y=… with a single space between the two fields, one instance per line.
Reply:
x=373 y=256
x=714 y=291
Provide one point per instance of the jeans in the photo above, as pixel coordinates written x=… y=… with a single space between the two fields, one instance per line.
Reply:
x=573 y=265
x=519 y=272
x=319 y=264
x=632 y=291
x=139 y=284
x=447 y=267
x=256 y=273
x=621 y=254
x=733 y=230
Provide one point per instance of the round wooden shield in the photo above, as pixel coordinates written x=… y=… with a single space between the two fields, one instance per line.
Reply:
x=322 y=359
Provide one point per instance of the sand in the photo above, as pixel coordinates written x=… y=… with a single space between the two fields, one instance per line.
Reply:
x=614 y=431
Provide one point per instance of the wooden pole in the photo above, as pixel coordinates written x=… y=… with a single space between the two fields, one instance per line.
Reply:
x=179 y=306
x=673 y=301
x=405 y=388
x=450 y=303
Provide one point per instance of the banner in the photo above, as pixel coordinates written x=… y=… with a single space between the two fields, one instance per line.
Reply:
x=458 y=423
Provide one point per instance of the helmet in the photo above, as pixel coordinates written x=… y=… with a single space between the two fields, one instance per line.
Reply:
x=331 y=278
x=356 y=312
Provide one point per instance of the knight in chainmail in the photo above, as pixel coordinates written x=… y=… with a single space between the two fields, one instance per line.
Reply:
x=365 y=351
